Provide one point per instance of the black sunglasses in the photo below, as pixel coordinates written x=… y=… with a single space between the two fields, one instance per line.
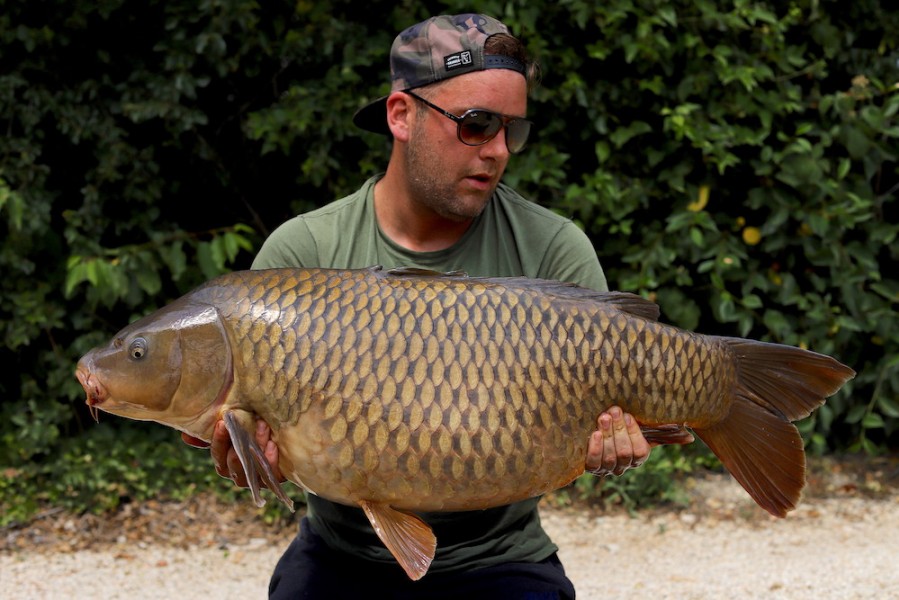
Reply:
x=478 y=126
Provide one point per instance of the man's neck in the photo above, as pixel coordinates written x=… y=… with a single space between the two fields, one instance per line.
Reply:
x=409 y=223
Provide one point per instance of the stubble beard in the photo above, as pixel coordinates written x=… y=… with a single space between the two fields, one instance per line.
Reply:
x=424 y=169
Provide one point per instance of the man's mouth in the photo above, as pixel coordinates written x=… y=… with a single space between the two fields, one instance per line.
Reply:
x=481 y=179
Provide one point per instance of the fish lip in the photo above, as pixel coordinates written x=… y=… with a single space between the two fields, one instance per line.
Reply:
x=96 y=393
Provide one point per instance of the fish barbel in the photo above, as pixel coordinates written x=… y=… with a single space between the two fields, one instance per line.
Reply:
x=406 y=391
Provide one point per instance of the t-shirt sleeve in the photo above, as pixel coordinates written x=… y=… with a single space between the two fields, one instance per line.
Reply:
x=289 y=245
x=571 y=257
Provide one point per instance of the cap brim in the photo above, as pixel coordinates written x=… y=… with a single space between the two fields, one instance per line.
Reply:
x=373 y=116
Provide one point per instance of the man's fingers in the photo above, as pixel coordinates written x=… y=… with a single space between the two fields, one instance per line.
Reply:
x=269 y=448
x=596 y=444
x=614 y=434
x=594 y=450
x=640 y=448
x=227 y=463
x=617 y=444
x=263 y=433
x=218 y=448
x=235 y=470
x=271 y=455
x=225 y=459
x=622 y=448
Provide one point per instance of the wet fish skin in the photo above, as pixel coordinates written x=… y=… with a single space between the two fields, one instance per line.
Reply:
x=408 y=391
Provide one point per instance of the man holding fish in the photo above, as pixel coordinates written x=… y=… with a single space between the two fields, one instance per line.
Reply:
x=419 y=403
x=456 y=113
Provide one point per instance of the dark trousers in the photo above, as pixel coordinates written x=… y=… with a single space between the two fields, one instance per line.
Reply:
x=310 y=569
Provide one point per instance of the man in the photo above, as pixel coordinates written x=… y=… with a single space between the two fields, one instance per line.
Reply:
x=456 y=113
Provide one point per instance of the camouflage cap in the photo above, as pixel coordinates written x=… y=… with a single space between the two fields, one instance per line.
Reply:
x=434 y=50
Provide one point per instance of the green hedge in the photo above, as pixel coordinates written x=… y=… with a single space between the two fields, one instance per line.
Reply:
x=735 y=162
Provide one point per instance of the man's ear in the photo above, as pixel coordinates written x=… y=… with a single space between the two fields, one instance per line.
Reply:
x=400 y=114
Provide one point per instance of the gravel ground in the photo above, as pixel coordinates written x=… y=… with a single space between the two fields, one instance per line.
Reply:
x=841 y=542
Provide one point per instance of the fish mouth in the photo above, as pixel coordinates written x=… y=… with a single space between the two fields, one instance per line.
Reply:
x=96 y=392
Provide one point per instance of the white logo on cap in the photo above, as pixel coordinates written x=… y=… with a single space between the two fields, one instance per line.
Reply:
x=457 y=60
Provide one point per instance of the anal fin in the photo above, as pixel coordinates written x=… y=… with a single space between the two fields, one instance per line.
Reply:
x=409 y=539
x=252 y=458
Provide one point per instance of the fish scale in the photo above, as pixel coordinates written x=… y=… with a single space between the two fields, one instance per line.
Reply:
x=437 y=428
x=408 y=391
x=417 y=371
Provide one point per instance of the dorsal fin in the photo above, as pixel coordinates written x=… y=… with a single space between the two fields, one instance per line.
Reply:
x=631 y=304
x=419 y=272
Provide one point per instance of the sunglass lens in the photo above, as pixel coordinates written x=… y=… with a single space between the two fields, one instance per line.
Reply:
x=478 y=127
x=517 y=133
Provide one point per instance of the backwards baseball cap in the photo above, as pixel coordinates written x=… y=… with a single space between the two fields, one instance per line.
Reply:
x=433 y=50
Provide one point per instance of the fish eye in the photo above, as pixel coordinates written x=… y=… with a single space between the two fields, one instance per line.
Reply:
x=138 y=348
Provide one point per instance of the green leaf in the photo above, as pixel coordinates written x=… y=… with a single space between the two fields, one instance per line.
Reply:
x=888 y=406
x=873 y=421
x=622 y=135
x=696 y=236
x=856 y=414
x=752 y=301
x=149 y=281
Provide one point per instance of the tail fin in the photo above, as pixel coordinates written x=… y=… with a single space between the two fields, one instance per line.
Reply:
x=757 y=442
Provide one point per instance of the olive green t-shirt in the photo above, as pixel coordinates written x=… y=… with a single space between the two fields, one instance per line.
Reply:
x=512 y=237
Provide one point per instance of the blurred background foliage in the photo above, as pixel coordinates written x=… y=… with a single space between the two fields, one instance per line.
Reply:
x=734 y=161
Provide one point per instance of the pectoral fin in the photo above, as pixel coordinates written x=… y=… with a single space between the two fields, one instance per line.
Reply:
x=252 y=458
x=666 y=434
x=409 y=539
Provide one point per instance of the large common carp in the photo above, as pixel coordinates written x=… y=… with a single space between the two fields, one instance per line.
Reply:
x=406 y=390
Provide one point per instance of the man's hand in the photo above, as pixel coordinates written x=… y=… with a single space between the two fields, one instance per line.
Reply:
x=227 y=464
x=617 y=444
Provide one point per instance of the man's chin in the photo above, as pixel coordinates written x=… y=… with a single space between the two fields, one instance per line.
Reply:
x=464 y=212
x=460 y=205
x=472 y=203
